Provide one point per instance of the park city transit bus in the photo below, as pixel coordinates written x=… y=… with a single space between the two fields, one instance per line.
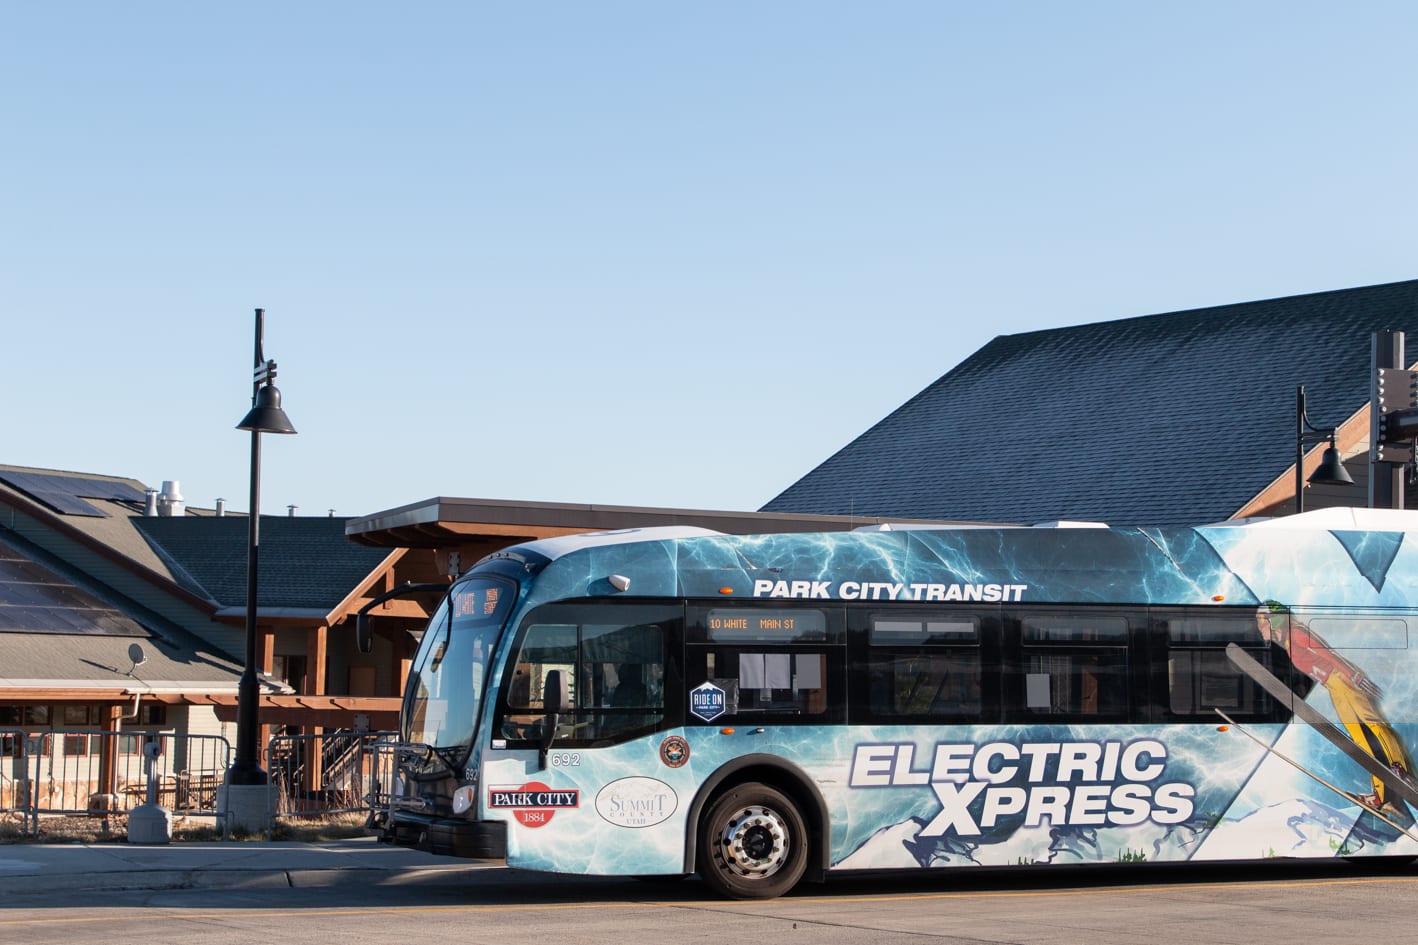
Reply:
x=763 y=709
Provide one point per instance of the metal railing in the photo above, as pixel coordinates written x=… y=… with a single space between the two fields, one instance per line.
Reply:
x=102 y=774
x=15 y=793
x=73 y=773
x=330 y=773
x=71 y=777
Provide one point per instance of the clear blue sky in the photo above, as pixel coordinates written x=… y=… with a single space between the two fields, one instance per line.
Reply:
x=641 y=253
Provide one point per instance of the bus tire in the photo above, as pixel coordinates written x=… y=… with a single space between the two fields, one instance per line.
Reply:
x=752 y=843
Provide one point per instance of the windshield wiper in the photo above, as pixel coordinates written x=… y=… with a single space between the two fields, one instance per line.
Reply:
x=445 y=754
x=447 y=757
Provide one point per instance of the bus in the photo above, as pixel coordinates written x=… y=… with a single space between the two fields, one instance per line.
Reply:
x=766 y=709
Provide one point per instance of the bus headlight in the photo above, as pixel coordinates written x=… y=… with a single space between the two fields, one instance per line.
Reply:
x=463 y=799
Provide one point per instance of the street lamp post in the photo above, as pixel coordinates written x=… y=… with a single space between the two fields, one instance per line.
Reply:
x=1331 y=470
x=265 y=416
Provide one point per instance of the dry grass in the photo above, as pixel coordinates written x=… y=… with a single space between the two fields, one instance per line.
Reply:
x=114 y=829
x=313 y=829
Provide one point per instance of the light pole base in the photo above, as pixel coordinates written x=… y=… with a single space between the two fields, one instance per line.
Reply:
x=149 y=823
x=249 y=808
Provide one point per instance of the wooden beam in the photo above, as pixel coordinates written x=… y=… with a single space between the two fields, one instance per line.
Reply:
x=234 y=619
x=108 y=751
x=521 y=531
x=60 y=694
x=382 y=714
x=315 y=659
x=387 y=721
x=342 y=703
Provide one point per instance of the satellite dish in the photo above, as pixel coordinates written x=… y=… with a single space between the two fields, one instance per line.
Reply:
x=136 y=654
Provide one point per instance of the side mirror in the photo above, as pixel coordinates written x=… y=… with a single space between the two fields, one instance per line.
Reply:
x=364 y=638
x=555 y=696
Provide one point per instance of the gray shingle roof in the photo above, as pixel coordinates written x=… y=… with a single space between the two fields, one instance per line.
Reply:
x=46 y=659
x=54 y=631
x=304 y=562
x=1172 y=419
x=112 y=528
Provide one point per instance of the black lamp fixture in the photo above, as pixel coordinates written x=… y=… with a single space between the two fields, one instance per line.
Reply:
x=1331 y=471
x=265 y=416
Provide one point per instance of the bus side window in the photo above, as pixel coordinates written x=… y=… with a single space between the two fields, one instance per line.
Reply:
x=924 y=668
x=623 y=678
x=544 y=647
x=1200 y=678
x=1074 y=665
x=759 y=682
x=614 y=660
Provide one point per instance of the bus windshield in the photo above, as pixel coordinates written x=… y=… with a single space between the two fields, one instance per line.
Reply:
x=446 y=682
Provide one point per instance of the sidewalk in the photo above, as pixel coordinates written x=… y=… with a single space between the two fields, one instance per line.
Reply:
x=41 y=867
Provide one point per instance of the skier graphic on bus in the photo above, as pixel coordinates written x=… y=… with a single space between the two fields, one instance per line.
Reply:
x=1355 y=697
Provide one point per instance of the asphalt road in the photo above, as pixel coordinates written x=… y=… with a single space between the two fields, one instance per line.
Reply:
x=1281 y=903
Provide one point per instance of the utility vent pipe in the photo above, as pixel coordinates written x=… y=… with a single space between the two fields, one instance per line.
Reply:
x=171 y=504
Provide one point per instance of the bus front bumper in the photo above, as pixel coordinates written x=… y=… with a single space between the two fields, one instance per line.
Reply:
x=476 y=839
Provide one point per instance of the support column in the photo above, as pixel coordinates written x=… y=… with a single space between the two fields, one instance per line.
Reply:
x=315 y=659
x=107 y=798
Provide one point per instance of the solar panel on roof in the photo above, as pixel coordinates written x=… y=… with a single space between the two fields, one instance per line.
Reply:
x=62 y=493
x=34 y=599
x=19 y=569
x=63 y=502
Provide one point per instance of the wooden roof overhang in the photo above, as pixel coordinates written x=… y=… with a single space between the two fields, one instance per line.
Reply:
x=476 y=527
x=380 y=713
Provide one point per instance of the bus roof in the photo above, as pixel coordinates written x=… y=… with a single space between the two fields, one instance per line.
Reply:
x=1328 y=519
x=554 y=548
x=1330 y=557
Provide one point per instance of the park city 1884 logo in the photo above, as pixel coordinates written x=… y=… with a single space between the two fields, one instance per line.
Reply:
x=534 y=803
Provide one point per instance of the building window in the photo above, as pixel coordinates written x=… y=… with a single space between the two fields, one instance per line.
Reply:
x=80 y=745
x=80 y=714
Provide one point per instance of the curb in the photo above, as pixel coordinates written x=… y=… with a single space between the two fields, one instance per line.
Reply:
x=147 y=881
x=219 y=878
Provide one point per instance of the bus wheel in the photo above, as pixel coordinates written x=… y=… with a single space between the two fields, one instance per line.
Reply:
x=752 y=844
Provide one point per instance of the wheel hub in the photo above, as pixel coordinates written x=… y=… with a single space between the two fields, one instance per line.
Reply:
x=755 y=842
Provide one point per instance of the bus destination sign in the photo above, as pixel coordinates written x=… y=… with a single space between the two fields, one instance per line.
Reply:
x=760 y=625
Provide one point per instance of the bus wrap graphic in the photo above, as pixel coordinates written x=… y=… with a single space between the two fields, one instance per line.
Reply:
x=1076 y=784
x=954 y=698
x=534 y=803
x=707 y=701
x=887 y=590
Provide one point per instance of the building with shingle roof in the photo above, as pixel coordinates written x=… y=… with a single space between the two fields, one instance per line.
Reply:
x=1174 y=419
x=58 y=630
x=95 y=569
x=305 y=563
x=87 y=677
